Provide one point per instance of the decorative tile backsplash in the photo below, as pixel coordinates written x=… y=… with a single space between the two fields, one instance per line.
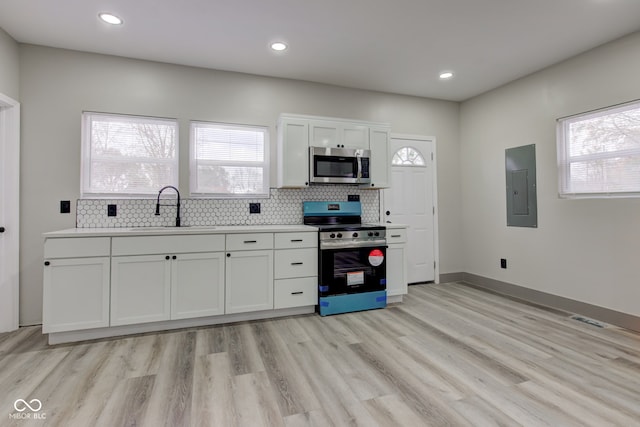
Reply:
x=284 y=206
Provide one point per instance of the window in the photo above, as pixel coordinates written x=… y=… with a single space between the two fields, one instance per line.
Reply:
x=127 y=155
x=407 y=156
x=599 y=153
x=229 y=160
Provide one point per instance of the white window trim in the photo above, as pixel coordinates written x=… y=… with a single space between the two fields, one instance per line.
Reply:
x=85 y=169
x=193 y=170
x=564 y=160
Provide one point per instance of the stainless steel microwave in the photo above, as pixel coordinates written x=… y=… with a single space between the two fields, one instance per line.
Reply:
x=329 y=165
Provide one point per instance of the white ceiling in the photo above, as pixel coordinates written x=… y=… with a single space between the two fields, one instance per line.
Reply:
x=397 y=46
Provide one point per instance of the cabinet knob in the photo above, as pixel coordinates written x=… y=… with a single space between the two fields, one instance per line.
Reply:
x=388 y=213
x=228 y=255
x=167 y=257
x=47 y=263
x=1 y=229
x=306 y=183
x=174 y=257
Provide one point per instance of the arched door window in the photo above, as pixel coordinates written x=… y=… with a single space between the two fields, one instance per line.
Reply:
x=407 y=156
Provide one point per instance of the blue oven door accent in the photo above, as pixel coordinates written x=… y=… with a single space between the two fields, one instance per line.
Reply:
x=352 y=302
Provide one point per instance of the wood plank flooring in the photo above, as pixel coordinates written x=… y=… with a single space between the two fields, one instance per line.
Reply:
x=450 y=355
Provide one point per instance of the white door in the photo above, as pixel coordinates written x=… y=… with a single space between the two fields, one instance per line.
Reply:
x=9 y=203
x=410 y=201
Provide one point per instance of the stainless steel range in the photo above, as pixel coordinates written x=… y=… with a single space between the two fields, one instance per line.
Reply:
x=351 y=258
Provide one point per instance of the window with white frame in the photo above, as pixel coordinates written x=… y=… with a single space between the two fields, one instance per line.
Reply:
x=599 y=153
x=127 y=156
x=228 y=160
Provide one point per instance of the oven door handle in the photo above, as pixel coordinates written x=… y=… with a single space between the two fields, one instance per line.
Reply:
x=346 y=245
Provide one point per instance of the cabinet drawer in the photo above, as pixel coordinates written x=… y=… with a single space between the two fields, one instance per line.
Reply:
x=296 y=263
x=396 y=235
x=148 y=245
x=248 y=242
x=295 y=292
x=296 y=240
x=76 y=247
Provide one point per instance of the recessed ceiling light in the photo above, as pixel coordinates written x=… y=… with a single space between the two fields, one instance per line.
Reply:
x=110 y=19
x=446 y=75
x=279 y=46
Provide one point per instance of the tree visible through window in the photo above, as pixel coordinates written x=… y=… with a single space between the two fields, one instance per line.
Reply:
x=229 y=160
x=407 y=156
x=127 y=155
x=599 y=153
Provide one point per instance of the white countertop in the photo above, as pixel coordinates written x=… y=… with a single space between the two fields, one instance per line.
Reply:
x=151 y=231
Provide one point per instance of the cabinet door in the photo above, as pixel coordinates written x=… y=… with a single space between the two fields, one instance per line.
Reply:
x=249 y=281
x=293 y=153
x=140 y=289
x=324 y=134
x=355 y=136
x=396 y=270
x=75 y=294
x=197 y=285
x=380 y=161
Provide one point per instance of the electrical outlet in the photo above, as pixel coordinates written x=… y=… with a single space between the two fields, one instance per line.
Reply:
x=353 y=197
x=112 y=210
x=503 y=263
x=254 y=208
x=65 y=206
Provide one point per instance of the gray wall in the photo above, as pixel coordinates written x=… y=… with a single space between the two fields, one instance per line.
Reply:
x=586 y=250
x=9 y=66
x=57 y=85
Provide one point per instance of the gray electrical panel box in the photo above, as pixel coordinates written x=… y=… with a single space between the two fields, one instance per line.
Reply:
x=522 y=201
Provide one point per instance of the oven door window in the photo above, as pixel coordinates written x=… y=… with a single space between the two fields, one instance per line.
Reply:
x=352 y=270
x=335 y=167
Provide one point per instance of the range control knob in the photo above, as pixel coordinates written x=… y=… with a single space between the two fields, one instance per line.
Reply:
x=355 y=234
x=332 y=235
x=370 y=233
x=377 y=233
x=339 y=235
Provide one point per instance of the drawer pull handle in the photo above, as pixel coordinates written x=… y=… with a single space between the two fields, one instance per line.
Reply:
x=396 y=235
x=297 y=293
x=296 y=263
x=296 y=240
x=251 y=241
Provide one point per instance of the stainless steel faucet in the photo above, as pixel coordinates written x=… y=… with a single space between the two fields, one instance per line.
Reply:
x=177 y=203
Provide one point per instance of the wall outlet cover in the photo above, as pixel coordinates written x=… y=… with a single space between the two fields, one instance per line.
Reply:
x=254 y=208
x=503 y=263
x=112 y=210
x=353 y=197
x=65 y=206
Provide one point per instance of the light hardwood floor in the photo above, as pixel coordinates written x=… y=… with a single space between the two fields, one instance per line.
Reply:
x=450 y=355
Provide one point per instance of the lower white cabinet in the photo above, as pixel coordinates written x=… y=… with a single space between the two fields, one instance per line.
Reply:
x=197 y=285
x=140 y=289
x=75 y=294
x=396 y=261
x=249 y=281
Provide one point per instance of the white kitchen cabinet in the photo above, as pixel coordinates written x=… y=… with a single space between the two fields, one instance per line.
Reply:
x=197 y=285
x=396 y=262
x=140 y=289
x=157 y=278
x=75 y=284
x=293 y=153
x=338 y=134
x=249 y=281
x=380 y=157
x=296 y=270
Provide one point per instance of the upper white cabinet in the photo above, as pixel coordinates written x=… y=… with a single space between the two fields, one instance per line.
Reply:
x=296 y=133
x=326 y=133
x=293 y=152
x=380 y=157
